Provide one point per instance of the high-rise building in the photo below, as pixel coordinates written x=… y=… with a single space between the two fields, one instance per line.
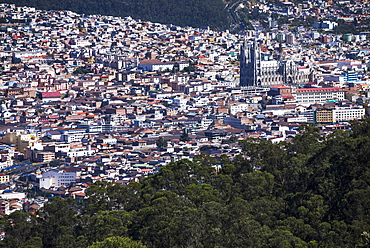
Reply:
x=256 y=71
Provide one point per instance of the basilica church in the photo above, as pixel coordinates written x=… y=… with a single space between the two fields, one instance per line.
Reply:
x=258 y=72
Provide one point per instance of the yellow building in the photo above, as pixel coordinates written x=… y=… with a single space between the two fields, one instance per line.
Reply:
x=4 y=178
x=20 y=140
x=324 y=116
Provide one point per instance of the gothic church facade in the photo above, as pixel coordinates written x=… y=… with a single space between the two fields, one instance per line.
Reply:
x=257 y=72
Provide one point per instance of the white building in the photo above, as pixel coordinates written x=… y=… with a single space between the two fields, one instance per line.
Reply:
x=157 y=65
x=80 y=152
x=308 y=96
x=60 y=147
x=205 y=123
x=347 y=114
x=180 y=102
x=325 y=25
x=55 y=178
x=298 y=119
x=73 y=137
x=12 y=195
x=237 y=108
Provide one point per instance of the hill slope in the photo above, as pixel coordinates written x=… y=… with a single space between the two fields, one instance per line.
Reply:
x=195 y=13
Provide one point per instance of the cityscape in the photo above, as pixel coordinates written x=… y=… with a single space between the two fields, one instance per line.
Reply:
x=88 y=99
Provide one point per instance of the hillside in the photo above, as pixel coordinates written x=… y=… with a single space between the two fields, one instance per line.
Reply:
x=195 y=13
x=311 y=192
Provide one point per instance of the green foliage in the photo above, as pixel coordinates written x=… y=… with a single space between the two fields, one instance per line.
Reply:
x=184 y=136
x=55 y=163
x=104 y=224
x=117 y=242
x=19 y=228
x=81 y=70
x=311 y=192
x=344 y=28
x=161 y=142
x=57 y=222
x=195 y=13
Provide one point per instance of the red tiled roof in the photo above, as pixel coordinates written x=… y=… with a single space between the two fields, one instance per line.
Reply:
x=151 y=62
x=55 y=94
x=280 y=87
x=80 y=194
x=319 y=89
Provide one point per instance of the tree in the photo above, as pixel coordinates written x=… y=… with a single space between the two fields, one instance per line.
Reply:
x=184 y=136
x=161 y=142
x=104 y=224
x=19 y=228
x=55 y=163
x=312 y=192
x=365 y=240
x=308 y=142
x=58 y=220
x=81 y=70
x=98 y=198
x=117 y=242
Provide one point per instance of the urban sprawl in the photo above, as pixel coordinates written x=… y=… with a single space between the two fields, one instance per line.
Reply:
x=86 y=98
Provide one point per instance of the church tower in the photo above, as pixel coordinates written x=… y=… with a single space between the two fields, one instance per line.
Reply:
x=250 y=64
x=260 y=71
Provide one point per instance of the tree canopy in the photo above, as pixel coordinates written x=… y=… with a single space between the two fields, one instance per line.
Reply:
x=311 y=192
x=195 y=13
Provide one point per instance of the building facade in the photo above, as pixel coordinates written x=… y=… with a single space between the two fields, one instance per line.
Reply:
x=257 y=71
x=55 y=178
x=348 y=114
x=339 y=114
x=324 y=116
x=308 y=96
x=4 y=178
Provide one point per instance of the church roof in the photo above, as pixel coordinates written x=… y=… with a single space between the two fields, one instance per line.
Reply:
x=280 y=87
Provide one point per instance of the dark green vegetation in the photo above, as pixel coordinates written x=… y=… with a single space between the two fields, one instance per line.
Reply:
x=81 y=70
x=312 y=192
x=195 y=13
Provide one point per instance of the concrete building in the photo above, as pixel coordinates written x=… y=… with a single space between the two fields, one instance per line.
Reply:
x=338 y=114
x=4 y=178
x=324 y=116
x=308 y=96
x=347 y=114
x=55 y=178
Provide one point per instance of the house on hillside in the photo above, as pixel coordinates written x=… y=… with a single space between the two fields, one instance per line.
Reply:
x=157 y=65
x=49 y=96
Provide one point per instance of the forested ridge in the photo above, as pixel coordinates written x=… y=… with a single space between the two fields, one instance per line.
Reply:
x=195 y=13
x=311 y=192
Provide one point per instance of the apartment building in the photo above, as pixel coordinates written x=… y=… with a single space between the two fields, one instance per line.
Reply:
x=308 y=96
